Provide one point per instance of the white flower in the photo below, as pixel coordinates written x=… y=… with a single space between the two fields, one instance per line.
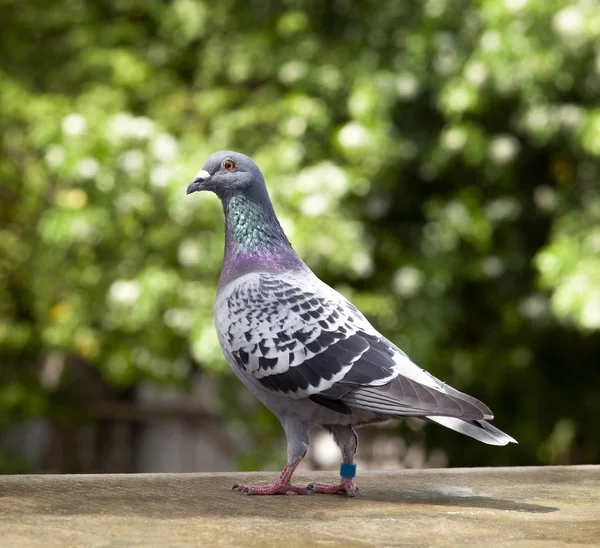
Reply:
x=590 y=315
x=445 y=61
x=570 y=115
x=407 y=85
x=459 y=99
x=533 y=307
x=142 y=127
x=125 y=126
x=105 y=182
x=55 y=155
x=476 y=73
x=491 y=40
x=515 y=5
x=505 y=208
x=568 y=21
x=457 y=213
x=307 y=181
x=164 y=147
x=361 y=263
x=407 y=281
x=353 y=135
x=295 y=126
x=88 y=168
x=435 y=8
x=124 y=291
x=132 y=160
x=292 y=71
x=178 y=318
x=189 y=253
x=290 y=154
x=492 y=266
x=74 y=124
x=592 y=240
x=160 y=176
x=324 y=244
x=545 y=197
x=120 y=124
x=537 y=118
x=314 y=205
x=324 y=178
x=503 y=148
x=453 y=139
x=205 y=346
x=377 y=206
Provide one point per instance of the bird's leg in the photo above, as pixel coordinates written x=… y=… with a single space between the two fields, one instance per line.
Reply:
x=280 y=487
x=297 y=436
x=347 y=440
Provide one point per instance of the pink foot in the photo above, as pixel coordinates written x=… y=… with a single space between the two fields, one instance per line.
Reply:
x=347 y=486
x=277 y=488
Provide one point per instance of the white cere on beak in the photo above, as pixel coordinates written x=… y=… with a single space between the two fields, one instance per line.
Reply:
x=202 y=175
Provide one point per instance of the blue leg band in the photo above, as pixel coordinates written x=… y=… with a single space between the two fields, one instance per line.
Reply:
x=347 y=471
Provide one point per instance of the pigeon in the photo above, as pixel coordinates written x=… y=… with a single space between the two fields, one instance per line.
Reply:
x=306 y=352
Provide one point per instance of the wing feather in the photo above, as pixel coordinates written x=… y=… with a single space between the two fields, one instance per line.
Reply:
x=299 y=338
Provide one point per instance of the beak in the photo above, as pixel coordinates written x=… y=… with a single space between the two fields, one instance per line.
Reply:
x=198 y=181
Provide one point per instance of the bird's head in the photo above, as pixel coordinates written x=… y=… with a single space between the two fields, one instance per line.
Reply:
x=227 y=173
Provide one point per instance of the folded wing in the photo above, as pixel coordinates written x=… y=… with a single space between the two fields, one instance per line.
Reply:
x=301 y=339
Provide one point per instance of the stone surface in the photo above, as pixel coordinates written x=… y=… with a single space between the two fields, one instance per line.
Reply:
x=494 y=507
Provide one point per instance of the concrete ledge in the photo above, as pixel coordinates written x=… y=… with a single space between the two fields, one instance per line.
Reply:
x=494 y=507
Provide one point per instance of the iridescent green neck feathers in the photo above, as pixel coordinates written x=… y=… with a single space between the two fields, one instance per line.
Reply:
x=254 y=239
x=253 y=226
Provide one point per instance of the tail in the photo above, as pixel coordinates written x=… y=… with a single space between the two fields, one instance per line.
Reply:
x=478 y=429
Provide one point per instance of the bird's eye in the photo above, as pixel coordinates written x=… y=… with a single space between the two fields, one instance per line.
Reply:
x=229 y=165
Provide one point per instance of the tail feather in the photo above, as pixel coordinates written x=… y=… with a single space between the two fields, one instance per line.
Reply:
x=478 y=429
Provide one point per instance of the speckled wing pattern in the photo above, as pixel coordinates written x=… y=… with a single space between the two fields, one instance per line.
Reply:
x=301 y=339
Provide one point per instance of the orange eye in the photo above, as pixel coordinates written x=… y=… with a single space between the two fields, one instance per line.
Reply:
x=229 y=165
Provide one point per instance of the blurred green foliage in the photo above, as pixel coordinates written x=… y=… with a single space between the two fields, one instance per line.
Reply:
x=436 y=161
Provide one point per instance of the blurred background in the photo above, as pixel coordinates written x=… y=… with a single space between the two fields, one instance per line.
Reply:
x=436 y=161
